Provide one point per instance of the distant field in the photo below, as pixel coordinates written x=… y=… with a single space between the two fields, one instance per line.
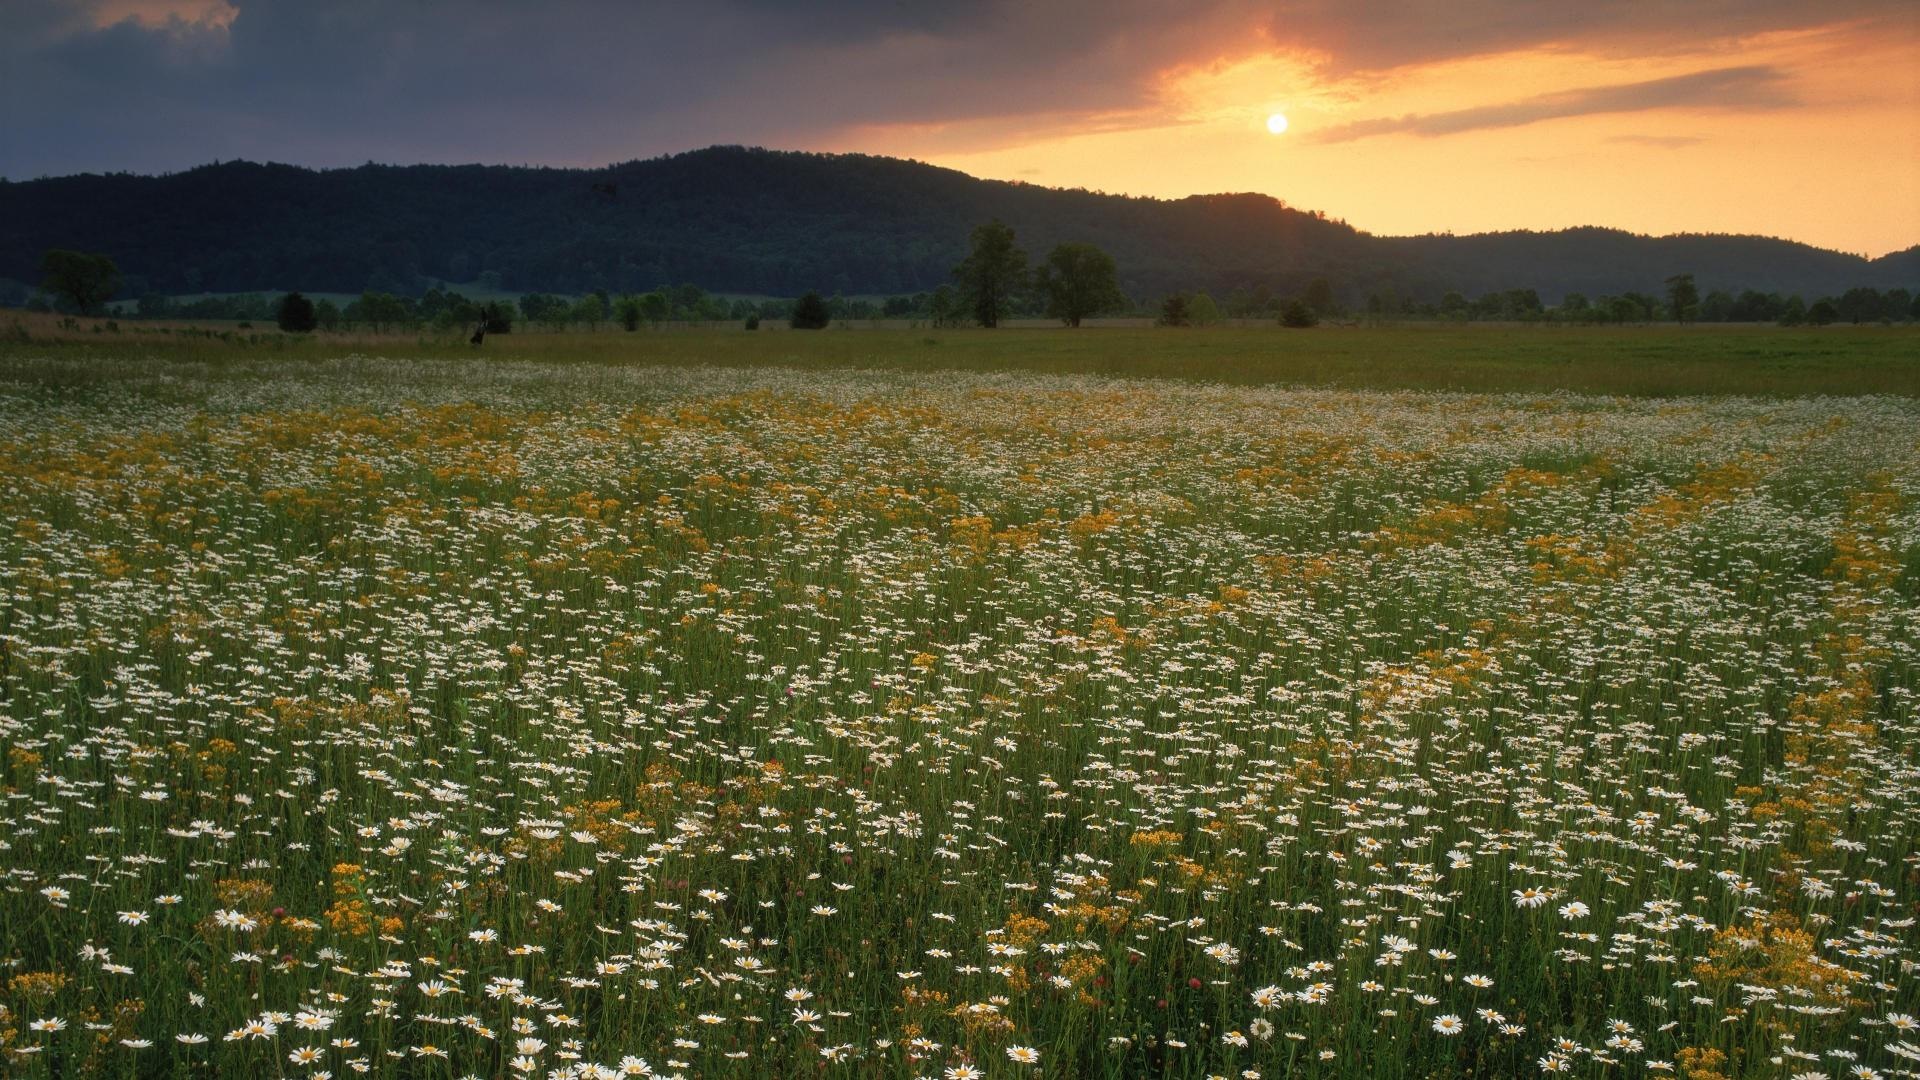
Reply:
x=504 y=717
x=1633 y=360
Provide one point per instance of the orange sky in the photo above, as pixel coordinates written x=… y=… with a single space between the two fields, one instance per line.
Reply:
x=1832 y=158
x=1777 y=117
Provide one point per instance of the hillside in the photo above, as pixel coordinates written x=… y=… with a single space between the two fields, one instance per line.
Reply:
x=755 y=221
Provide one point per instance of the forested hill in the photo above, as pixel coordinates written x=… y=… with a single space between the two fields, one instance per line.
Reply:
x=755 y=221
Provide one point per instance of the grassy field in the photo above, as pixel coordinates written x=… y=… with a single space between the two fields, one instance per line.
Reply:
x=895 y=704
x=1632 y=360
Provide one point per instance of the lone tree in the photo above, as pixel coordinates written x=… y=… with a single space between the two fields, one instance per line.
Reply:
x=1683 y=297
x=86 y=281
x=1173 y=310
x=991 y=275
x=1079 y=280
x=296 y=314
x=810 y=313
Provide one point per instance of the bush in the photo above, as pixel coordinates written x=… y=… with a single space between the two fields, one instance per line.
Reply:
x=497 y=316
x=810 y=313
x=1173 y=310
x=1202 y=311
x=753 y=322
x=296 y=314
x=1298 y=315
x=631 y=313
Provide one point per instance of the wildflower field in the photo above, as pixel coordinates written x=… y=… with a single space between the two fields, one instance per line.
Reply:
x=446 y=718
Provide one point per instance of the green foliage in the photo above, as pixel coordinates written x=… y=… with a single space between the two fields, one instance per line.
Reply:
x=546 y=310
x=383 y=311
x=1079 y=280
x=810 y=313
x=1861 y=304
x=1683 y=297
x=1823 y=313
x=496 y=316
x=1174 y=310
x=84 y=280
x=1202 y=311
x=944 y=308
x=1299 y=315
x=655 y=308
x=296 y=314
x=1319 y=296
x=628 y=309
x=591 y=309
x=1250 y=303
x=326 y=315
x=992 y=274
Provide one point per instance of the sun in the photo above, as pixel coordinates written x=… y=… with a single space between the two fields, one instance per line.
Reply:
x=1277 y=123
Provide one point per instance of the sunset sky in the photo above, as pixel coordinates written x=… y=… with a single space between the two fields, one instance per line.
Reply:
x=1783 y=118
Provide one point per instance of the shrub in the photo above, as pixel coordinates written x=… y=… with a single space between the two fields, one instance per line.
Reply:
x=810 y=313
x=296 y=314
x=1298 y=315
x=1173 y=310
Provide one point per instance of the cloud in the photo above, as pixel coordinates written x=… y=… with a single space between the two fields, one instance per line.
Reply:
x=166 y=84
x=1389 y=34
x=569 y=81
x=1747 y=87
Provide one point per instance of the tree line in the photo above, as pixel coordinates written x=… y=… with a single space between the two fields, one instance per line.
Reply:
x=994 y=282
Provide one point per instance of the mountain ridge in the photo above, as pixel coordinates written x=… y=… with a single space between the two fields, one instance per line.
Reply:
x=750 y=220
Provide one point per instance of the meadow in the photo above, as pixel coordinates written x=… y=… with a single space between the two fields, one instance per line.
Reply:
x=946 y=705
x=1639 y=361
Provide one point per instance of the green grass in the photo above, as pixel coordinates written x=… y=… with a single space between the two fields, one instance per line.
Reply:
x=1639 y=361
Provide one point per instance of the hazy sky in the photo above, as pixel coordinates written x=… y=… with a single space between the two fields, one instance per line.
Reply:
x=1783 y=117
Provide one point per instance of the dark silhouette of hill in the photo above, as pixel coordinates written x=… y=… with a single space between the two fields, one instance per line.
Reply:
x=740 y=220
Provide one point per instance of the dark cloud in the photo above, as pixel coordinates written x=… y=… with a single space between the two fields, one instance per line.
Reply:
x=591 y=81
x=570 y=81
x=1385 y=34
x=1748 y=87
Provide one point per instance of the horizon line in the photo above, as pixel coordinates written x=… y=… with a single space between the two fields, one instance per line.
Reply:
x=220 y=162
